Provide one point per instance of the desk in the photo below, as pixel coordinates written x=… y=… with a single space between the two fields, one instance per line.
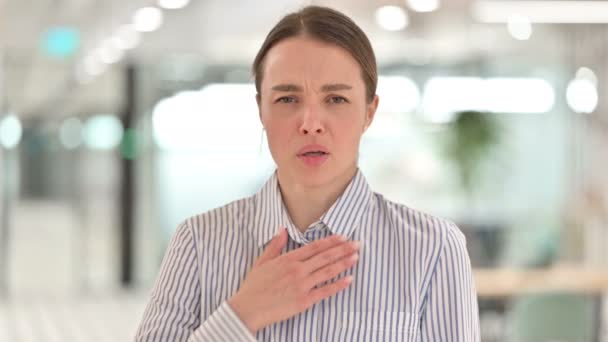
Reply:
x=501 y=285
x=507 y=282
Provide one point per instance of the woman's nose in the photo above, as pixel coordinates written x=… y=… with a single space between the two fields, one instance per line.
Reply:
x=310 y=130
x=311 y=122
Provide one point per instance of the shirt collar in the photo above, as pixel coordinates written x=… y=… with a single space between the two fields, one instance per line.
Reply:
x=341 y=218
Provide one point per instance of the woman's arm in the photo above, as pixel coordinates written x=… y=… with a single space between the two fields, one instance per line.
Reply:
x=450 y=311
x=173 y=313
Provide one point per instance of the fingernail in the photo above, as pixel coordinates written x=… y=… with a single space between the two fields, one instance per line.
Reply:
x=342 y=238
x=356 y=244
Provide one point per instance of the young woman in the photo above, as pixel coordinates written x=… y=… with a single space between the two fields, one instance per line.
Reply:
x=315 y=255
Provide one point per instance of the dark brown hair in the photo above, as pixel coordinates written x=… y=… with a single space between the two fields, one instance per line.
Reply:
x=327 y=25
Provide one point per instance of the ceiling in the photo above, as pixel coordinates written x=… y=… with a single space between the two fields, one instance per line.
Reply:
x=209 y=32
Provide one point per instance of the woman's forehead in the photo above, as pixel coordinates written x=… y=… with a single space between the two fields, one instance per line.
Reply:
x=306 y=60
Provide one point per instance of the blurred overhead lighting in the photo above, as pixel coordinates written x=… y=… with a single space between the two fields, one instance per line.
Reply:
x=70 y=133
x=392 y=18
x=103 y=132
x=93 y=66
x=587 y=74
x=397 y=94
x=61 y=42
x=113 y=48
x=551 y=12
x=126 y=37
x=444 y=96
x=219 y=117
x=517 y=95
x=581 y=94
x=519 y=27
x=10 y=131
x=173 y=4
x=423 y=5
x=147 y=19
x=109 y=53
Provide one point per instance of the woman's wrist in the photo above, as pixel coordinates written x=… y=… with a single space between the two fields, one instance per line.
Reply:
x=238 y=309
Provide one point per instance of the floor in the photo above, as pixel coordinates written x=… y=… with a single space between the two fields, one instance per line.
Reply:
x=61 y=284
x=65 y=319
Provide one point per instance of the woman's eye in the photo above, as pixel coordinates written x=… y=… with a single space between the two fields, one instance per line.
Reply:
x=337 y=99
x=286 y=99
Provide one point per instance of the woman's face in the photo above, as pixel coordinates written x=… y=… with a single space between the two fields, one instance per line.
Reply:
x=312 y=98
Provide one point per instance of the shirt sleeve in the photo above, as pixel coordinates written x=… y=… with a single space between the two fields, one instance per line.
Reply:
x=174 y=310
x=451 y=312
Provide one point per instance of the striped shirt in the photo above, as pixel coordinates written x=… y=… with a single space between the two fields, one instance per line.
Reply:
x=413 y=280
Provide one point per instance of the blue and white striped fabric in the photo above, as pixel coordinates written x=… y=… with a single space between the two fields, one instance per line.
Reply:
x=413 y=280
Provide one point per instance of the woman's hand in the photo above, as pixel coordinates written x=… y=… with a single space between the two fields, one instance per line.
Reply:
x=281 y=286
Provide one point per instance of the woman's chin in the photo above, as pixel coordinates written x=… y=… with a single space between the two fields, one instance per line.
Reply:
x=315 y=176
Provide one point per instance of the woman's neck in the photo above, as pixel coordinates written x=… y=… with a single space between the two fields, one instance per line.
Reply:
x=305 y=204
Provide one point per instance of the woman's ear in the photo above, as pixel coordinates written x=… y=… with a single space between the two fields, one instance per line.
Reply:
x=370 y=112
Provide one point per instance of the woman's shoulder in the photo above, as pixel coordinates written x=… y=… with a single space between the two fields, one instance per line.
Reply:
x=225 y=217
x=423 y=223
x=439 y=235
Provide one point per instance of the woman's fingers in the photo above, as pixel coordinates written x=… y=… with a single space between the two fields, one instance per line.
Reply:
x=280 y=286
x=330 y=271
x=329 y=290
x=315 y=248
x=274 y=248
x=330 y=256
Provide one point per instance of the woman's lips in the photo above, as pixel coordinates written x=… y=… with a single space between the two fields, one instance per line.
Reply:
x=313 y=160
x=313 y=148
x=313 y=155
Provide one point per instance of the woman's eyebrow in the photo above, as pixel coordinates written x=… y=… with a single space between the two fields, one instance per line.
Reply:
x=335 y=87
x=325 y=88
x=287 y=87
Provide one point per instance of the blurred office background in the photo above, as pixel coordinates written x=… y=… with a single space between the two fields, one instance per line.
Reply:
x=118 y=119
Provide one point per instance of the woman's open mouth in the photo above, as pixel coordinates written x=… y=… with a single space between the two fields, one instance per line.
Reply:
x=313 y=154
